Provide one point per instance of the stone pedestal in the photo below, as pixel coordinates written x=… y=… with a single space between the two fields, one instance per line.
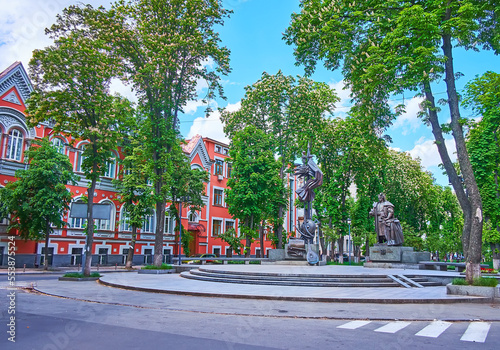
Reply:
x=404 y=255
x=276 y=254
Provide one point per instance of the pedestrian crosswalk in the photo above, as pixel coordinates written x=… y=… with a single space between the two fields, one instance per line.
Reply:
x=475 y=332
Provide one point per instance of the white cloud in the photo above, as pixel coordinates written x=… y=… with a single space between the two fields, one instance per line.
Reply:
x=124 y=90
x=409 y=120
x=427 y=151
x=22 y=27
x=342 y=107
x=212 y=126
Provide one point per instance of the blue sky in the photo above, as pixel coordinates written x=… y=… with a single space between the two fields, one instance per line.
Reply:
x=253 y=33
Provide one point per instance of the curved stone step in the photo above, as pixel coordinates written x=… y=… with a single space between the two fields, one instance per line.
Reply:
x=278 y=282
x=307 y=278
x=318 y=275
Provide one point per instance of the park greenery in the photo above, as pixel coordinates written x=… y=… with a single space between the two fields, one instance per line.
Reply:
x=163 y=49
x=389 y=47
x=484 y=149
x=255 y=187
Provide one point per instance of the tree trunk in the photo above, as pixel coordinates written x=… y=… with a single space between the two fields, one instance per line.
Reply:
x=473 y=220
x=160 y=228
x=130 y=255
x=279 y=229
x=248 y=243
x=261 y=234
x=90 y=225
x=47 y=237
x=321 y=241
x=341 y=249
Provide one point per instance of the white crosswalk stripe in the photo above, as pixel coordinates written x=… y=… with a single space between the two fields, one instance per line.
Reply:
x=354 y=324
x=434 y=330
x=476 y=332
x=393 y=327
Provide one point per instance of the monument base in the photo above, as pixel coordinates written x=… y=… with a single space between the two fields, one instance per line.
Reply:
x=403 y=255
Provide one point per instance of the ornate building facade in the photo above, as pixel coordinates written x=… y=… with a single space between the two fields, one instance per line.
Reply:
x=112 y=237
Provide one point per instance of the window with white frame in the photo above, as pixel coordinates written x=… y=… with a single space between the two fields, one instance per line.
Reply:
x=218 y=148
x=149 y=224
x=58 y=144
x=110 y=168
x=79 y=158
x=216 y=227
x=229 y=225
x=78 y=222
x=4 y=221
x=219 y=167
x=192 y=216
x=169 y=223
x=15 y=145
x=218 y=195
x=124 y=221
x=107 y=225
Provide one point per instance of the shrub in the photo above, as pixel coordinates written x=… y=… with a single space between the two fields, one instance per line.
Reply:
x=478 y=282
x=485 y=282
x=80 y=275
x=162 y=267
x=459 y=282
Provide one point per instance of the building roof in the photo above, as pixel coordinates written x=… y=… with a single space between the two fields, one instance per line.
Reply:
x=15 y=75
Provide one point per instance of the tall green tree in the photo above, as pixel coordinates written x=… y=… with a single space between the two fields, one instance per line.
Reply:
x=387 y=47
x=288 y=109
x=165 y=49
x=484 y=147
x=346 y=149
x=38 y=199
x=135 y=192
x=72 y=79
x=255 y=181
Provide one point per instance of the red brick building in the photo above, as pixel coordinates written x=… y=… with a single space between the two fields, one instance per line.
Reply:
x=112 y=237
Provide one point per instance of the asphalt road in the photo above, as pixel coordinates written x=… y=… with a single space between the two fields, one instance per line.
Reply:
x=46 y=322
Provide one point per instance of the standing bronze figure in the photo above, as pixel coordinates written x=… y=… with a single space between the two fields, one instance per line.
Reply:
x=312 y=177
x=388 y=228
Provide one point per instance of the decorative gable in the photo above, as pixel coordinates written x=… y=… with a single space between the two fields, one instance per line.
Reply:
x=196 y=146
x=15 y=76
x=12 y=98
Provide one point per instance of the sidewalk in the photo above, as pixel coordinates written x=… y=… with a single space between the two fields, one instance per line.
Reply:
x=172 y=292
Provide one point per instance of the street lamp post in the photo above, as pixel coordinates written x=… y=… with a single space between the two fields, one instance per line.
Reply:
x=350 y=244
x=180 y=231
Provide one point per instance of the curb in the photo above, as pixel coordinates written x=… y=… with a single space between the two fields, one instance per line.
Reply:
x=295 y=298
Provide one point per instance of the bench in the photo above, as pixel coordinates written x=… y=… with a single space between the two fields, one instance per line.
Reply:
x=443 y=265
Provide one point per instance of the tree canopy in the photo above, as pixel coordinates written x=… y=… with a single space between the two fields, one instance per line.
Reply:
x=72 y=78
x=387 y=47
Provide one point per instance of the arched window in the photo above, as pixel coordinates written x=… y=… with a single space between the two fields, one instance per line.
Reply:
x=107 y=225
x=79 y=158
x=169 y=223
x=78 y=222
x=58 y=144
x=124 y=221
x=192 y=216
x=149 y=224
x=110 y=168
x=15 y=145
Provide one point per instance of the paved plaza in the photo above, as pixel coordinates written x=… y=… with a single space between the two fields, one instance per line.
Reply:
x=396 y=303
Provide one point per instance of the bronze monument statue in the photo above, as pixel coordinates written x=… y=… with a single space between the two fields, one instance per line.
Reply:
x=313 y=178
x=388 y=228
